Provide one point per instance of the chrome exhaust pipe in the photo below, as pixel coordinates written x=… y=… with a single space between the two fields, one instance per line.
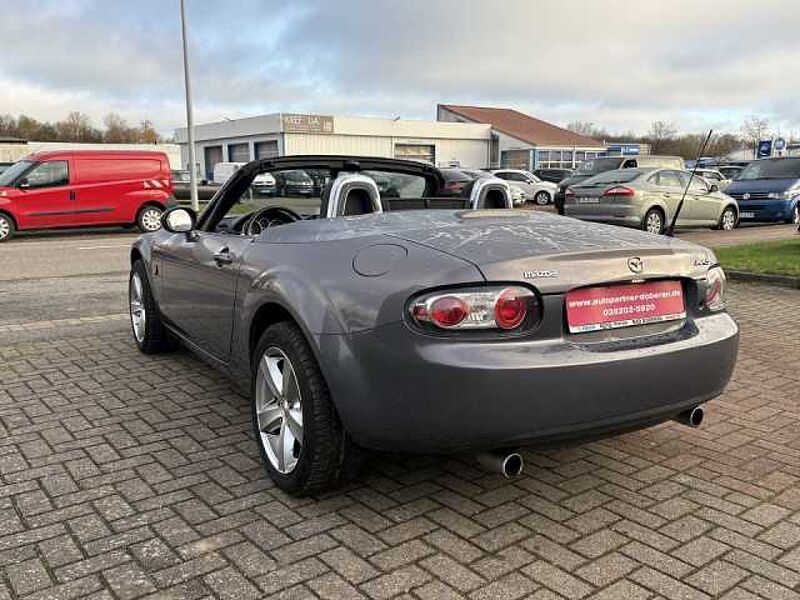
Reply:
x=509 y=464
x=692 y=417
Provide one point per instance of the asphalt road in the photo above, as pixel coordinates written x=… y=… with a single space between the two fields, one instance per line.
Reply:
x=63 y=275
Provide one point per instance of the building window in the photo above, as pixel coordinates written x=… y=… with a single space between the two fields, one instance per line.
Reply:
x=239 y=153
x=266 y=149
x=419 y=152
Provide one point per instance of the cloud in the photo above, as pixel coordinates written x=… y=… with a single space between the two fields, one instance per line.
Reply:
x=621 y=64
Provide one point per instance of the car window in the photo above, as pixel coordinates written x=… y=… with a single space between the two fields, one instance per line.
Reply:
x=11 y=173
x=302 y=191
x=48 y=174
x=630 y=164
x=670 y=179
x=774 y=168
x=698 y=185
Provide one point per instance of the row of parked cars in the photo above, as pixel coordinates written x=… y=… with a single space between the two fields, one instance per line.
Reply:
x=645 y=191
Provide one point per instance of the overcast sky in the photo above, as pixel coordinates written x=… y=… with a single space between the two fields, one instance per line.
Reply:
x=617 y=63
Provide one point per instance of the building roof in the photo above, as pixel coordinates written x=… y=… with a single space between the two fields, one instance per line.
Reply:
x=521 y=126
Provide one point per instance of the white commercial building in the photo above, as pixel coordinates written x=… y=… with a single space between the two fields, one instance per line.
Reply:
x=282 y=134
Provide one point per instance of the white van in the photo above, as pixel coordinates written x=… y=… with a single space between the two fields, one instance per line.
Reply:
x=224 y=170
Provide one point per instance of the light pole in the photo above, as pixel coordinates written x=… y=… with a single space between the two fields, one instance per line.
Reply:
x=189 y=113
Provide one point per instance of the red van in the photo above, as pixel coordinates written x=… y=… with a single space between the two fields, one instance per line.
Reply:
x=80 y=188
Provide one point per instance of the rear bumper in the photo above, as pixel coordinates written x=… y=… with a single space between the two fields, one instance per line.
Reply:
x=396 y=390
x=626 y=215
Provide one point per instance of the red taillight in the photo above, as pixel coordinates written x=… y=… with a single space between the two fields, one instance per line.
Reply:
x=448 y=311
x=569 y=193
x=506 y=307
x=510 y=309
x=619 y=190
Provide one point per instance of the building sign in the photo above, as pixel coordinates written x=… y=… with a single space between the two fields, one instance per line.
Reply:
x=307 y=124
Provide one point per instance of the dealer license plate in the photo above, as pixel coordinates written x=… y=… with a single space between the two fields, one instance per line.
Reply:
x=747 y=215
x=613 y=306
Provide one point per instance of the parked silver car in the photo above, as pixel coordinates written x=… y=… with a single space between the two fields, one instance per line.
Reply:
x=540 y=192
x=648 y=197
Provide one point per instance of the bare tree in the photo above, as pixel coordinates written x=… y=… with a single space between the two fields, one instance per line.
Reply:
x=75 y=128
x=660 y=133
x=147 y=133
x=754 y=129
x=117 y=130
x=581 y=127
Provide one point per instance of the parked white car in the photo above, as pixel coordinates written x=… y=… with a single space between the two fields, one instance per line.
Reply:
x=540 y=192
x=224 y=170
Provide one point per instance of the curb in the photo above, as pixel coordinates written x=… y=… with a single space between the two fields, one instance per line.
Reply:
x=782 y=280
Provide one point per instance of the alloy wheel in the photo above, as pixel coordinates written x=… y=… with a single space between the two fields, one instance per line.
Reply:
x=654 y=222
x=542 y=198
x=5 y=227
x=279 y=410
x=728 y=220
x=151 y=219
x=138 y=313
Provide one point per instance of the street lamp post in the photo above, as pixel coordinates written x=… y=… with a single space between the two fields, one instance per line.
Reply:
x=189 y=113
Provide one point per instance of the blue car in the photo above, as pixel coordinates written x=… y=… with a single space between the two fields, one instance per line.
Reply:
x=768 y=190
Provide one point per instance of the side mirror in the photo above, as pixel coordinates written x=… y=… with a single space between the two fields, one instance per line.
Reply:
x=23 y=183
x=179 y=219
x=713 y=187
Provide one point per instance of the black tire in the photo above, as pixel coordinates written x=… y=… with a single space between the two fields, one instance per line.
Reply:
x=326 y=455
x=144 y=218
x=155 y=338
x=541 y=198
x=7 y=227
x=795 y=218
x=725 y=219
x=651 y=217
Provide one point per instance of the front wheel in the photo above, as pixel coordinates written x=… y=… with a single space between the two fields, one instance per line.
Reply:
x=727 y=220
x=303 y=444
x=149 y=332
x=796 y=216
x=542 y=198
x=6 y=228
x=653 y=221
x=149 y=218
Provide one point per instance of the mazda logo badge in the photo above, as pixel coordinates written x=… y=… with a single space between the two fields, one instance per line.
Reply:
x=635 y=264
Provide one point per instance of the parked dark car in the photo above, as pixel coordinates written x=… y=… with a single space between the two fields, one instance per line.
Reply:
x=552 y=175
x=422 y=323
x=294 y=183
x=454 y=181
x=768 y=190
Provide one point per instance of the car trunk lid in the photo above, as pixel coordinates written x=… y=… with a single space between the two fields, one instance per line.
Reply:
x=556 y=254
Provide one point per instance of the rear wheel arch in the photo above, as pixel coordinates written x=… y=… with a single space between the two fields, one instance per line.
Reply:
x=267 y=314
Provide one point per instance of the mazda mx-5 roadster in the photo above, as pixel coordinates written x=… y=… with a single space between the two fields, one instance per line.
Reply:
x=378 y=314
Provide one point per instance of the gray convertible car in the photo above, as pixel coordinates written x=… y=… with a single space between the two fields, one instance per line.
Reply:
x=380 y=315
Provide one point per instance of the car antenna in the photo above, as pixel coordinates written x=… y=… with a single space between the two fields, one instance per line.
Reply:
x=671 y=229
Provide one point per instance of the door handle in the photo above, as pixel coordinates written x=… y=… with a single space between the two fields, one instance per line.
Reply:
x=223 y=257
x=72 y=195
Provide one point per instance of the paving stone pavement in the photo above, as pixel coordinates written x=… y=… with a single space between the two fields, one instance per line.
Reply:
x=126 y=476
